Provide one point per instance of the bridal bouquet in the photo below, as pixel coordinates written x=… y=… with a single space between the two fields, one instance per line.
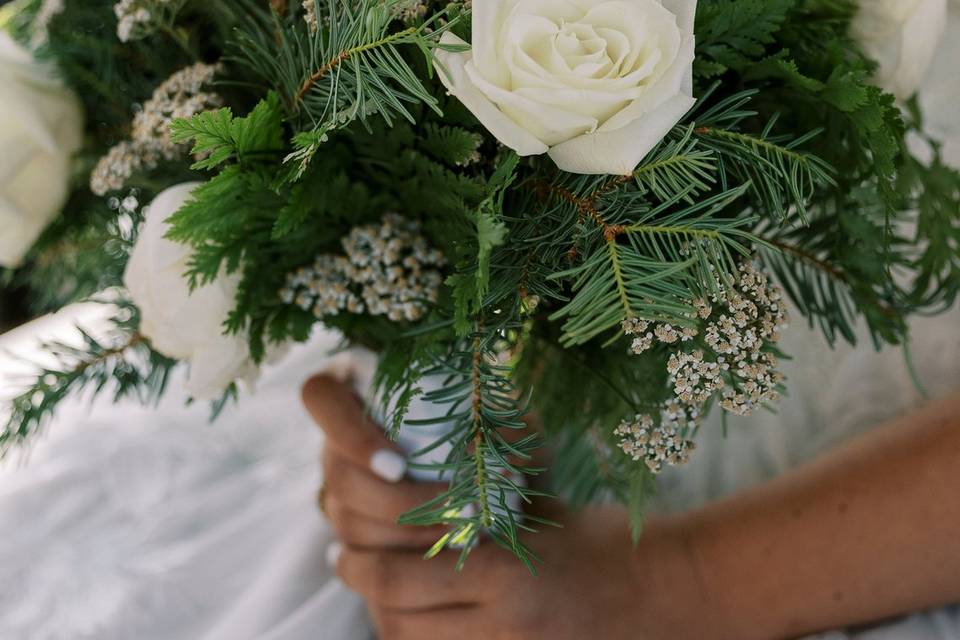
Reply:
x=595 y=212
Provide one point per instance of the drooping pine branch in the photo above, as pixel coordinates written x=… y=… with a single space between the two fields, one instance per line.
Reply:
x=485 y=468
x=123 y=362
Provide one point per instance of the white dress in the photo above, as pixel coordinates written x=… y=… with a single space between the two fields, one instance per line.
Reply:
x=126 y=522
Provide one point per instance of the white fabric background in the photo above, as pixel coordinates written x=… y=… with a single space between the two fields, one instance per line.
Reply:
x=128 y=522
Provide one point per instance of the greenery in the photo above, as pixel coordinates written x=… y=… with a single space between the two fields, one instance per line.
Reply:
x=791 y=157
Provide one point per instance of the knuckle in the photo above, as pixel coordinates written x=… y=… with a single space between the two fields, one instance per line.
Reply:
x=350 y=531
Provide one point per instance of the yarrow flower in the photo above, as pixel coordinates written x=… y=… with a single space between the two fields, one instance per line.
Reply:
x=389 y=269
x=41 y=24
x=310 y=15
x=735 y=326
x=140 y=18
x=180 y=96
x=666 y=443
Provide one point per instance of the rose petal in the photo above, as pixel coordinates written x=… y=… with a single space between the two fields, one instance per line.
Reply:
x=686 y=12
x=619 y=152
x=453 y=74
x=487 y=26
x=596 y=105
x=550 y=125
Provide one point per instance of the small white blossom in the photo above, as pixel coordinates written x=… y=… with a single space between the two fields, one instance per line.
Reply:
x=389 y=269
x=730 y=356
x=663 y=442
x=139 y=18
x=41 y=24
x=180 y=96
x=310 y=14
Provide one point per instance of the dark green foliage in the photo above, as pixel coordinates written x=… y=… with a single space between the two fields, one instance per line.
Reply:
x=791 y=156
x=733 y=33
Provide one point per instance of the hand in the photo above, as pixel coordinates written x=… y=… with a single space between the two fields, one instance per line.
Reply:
x=364 y=491
x=592 y=581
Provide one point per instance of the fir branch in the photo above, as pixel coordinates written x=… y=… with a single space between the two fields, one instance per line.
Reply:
x=826 y=293
x=124 y=359
x=782 y=178
x=330 y=65
x=668 y=255
x=484 y=497
x=350 y=68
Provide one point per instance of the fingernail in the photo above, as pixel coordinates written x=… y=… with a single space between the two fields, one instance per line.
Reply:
x=389 y=465
x=334 y=551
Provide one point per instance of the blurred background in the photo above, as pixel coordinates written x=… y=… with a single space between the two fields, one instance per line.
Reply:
x=12 y=307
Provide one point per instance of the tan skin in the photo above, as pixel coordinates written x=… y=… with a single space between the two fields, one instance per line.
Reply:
x=868 y=531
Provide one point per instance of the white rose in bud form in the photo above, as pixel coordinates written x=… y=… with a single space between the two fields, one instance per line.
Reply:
x=180 y=324
x=594 y=83
x=41 y=127
x=903 y=36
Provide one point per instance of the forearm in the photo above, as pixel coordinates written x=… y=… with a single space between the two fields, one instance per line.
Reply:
x=868 y=531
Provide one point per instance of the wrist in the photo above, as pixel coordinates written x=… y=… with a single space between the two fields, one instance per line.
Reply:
x=680 y=600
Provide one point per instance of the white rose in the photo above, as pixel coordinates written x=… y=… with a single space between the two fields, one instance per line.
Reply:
x=594 y=83
x=181 y=325
x=903 y=36
x=41 y=126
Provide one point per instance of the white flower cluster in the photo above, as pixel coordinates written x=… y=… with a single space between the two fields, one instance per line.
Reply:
x=138 y=18
x=41 y=24
x=392 y=261
x=180 y=96
x=310 y=14
x=738 y=324
x=668 y=442
x=751 y=317
x=389 y=269
x=323 y=288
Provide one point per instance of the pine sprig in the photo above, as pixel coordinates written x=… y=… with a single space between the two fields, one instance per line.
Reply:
x=485 y=468
x=350 y=68
x=783 y=177
x=678 y=166
x=121 y=362
x=651 y=267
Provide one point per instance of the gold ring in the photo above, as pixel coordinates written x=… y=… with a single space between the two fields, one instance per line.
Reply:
x=322 y=499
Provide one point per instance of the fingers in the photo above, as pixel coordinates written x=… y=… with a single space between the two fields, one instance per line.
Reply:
x=385 y=578
x=443 y=624
x=361 y=532
x=349 y=430
x=368 y=495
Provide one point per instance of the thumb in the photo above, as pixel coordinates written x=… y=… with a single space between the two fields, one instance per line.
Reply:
x=349 y=430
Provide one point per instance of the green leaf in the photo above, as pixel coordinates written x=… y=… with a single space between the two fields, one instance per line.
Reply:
x=220 y=136
x=211 y=133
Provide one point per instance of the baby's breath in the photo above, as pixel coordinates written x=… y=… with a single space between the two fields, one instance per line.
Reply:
x=389 y=269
